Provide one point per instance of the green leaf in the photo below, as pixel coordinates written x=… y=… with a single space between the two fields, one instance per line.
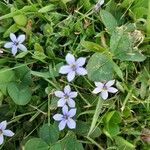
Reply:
x=122 y=48
x=118 y=70
x=92 y=46
x=23 y=74
x=41 y=74
x=99 y=67
x=36 y=144
x=113 y=129
x=56 y=146
x=12 y=29
x=83 y=128
x=6 y=76
x=70 y=143
x=123 y=144
x=21 y=20
x=22 y=54
x=113 y=117
x=49 y=134
x=39 y=55
x=134 y=56
x=108 y=20
x=47 y=8
x=111 y=121
x=20 y=95
x=120 y=43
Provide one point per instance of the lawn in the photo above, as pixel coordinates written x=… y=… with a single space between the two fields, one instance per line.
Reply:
x=75 y=74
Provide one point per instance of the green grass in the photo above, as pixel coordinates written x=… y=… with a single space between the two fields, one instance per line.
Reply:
x=115 y=41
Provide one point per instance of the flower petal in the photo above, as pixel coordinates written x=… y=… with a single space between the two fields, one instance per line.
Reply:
x=112 y=90
x=65 y=110
x=61 y=102
x=13 y=37
x=70 y=59
x=62 y=124
x=71 y=123
x=65 y=69
x=8 y=133
x=81 y=71
x=59 y=94
x=99 y=84
x=1 y=139
x=72 y=112
x=58 y=117
x=104 y=94
x=14 y=50
x=97 y=90
x=8 y=45
x=73 y=94
x=110 y=83
x=71 y=76
x=21 y=38
x=22 y=47
x=3 y=125
x=67 y=89
x=101 y=2
x=71 y=102
x=80 y=61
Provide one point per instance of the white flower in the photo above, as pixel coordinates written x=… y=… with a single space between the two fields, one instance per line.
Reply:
x=66 y=97
x=98 y=5
x=16 y=43
x=104 y=88
x=4 y=132
x=74 y=67
x=66 y=118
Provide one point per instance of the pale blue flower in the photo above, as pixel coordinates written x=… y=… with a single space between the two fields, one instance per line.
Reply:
x=104 y=88
x=98 y=5
x=66 y=97
x=74 y=67
x=4 y=132
x=16 y=43
x=66 y=118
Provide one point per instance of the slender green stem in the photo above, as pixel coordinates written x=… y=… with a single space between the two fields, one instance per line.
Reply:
x=95 y=143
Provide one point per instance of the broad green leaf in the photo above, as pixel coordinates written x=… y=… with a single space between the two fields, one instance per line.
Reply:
x=36 y=144
x=6 y=75
x=123 y=144
x=111 y=121
x=20 y=95
x=83 y=128
x=120 y=43
x=99 y=67
x=39 y=55
x=21 y=20
x=122 y=47
x=92 y=46
x=70 y=143
x=56 y=146
x=109 y=20
x=113 y=117
x=113 y=129
x=23 y=74
x=49 y=134
x=134 y=56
